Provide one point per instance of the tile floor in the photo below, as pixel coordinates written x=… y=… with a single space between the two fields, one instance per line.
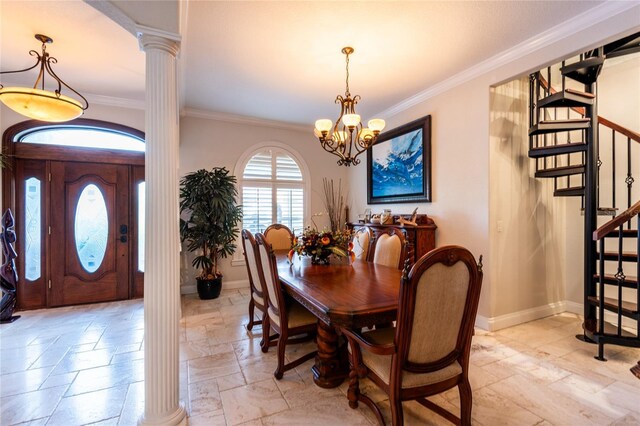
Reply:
x=84 y=365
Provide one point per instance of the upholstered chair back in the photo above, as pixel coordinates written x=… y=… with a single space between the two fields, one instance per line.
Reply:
x=389 y=248
x=269 y=276
x=438 y=304
x=279 y=236
x=361 y=240
x=253 y=267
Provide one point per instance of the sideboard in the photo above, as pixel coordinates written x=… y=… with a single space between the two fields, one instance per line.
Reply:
x=420 y=238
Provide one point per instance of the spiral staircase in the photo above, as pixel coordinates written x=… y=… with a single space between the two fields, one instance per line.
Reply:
x=596 y=159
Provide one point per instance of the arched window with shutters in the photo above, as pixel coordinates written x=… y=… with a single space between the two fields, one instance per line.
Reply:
x=273 y=183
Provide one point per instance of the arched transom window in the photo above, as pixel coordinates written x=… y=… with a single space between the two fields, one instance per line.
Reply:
x=272 y=190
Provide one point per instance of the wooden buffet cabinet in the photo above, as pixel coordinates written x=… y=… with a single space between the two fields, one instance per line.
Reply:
x=421 y=238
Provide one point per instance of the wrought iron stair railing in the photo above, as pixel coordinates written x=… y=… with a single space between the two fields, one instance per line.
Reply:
x=591 y=157
x=617 y=294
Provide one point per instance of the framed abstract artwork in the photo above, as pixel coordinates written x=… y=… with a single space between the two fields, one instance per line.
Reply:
x=399 y=165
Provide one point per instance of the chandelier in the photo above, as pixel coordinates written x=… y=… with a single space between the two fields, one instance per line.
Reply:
x=348 y=138
x=37 y=102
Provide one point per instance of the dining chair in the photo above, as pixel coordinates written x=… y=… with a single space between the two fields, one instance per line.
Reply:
x=252 y=261
x=279 y=236
x=428 y=350
x=362 y=237
x=389 y=248
x=293 y=322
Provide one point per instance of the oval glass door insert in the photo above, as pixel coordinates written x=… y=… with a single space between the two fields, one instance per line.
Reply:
x=91 y=228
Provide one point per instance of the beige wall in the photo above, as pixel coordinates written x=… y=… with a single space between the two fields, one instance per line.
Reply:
x=527 y=239
x=207 y=143
x=461 y=164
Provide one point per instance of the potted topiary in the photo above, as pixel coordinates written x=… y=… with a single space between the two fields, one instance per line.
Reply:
x=209 y=223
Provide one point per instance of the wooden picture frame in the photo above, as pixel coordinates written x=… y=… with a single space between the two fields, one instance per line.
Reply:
x=406 y=178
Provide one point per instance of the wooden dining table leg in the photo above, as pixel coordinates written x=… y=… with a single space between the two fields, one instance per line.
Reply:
x=331 y=365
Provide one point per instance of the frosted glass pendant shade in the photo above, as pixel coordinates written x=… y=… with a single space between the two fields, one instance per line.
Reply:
x=40 y=104
x=376 y=124
x=324 y=125
x=366 y=134
x=351 y=120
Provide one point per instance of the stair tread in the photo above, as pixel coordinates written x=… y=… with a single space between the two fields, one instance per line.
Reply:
x=569 y=120
x=609 y=329
x=629 y=281
x=554 y=126
x=567 y=98
x=551 y=150
x=585 y=71
x=626 y=256
x=572 y=191
x=610 y=303
x=626 y=233
x=579 y=93
x=560 y=171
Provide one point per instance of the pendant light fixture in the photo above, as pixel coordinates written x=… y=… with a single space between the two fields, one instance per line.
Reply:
x=38 y=102
x=348 y=138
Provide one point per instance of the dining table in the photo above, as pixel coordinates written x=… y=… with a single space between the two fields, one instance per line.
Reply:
x=341 y=294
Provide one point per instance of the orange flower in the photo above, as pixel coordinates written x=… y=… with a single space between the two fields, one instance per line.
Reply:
x=325 y=241
x=290 y=255
x=295 y=241
x=350 y=246
x=352 y=255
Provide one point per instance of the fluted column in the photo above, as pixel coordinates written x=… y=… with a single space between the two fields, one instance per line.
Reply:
x=162 y=267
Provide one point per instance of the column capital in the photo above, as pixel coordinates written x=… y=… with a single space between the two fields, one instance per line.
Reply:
x=152 y=38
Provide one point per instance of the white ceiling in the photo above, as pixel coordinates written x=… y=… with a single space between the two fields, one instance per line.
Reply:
x=282 y=60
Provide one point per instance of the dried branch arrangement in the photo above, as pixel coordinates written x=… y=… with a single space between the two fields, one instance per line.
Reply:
x=334 y=203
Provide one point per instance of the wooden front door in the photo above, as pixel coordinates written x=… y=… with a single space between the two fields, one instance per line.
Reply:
x=90 y=241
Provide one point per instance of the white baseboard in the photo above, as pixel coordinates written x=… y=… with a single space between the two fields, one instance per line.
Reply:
x=228 y=285
x=574 y=307
x=515 y=318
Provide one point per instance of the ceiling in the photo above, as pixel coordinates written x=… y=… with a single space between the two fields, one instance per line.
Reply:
x=281 y=60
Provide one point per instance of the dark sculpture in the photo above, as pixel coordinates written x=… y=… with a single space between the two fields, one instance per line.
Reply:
x=8 y=275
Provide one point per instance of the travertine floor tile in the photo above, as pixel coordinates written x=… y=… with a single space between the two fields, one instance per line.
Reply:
x=30 y=406
x=252 y=402
x=82 y=364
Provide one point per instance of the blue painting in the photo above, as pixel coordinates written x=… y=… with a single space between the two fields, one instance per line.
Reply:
x=396 y=166
x=399 y=165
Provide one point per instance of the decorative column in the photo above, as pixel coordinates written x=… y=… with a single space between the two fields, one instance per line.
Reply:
x=162 y=241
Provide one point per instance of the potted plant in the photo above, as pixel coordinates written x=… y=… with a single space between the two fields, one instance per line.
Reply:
x=209 y=223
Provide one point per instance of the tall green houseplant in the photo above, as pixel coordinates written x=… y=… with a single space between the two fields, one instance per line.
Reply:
x=209 y=223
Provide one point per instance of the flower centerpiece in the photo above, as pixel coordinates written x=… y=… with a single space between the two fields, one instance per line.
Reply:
x=320 y=245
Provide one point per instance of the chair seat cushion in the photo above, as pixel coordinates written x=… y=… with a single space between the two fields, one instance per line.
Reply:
x=297 y=314
x=259 y=300
x=381 y=364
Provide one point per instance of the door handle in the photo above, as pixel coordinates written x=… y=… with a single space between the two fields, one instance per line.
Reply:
x=124 y=229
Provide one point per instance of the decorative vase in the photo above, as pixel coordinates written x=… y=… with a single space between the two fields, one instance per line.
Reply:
x=209 y=289
x=321 y=258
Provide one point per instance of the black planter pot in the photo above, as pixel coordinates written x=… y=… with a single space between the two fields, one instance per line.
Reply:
x=209 y=289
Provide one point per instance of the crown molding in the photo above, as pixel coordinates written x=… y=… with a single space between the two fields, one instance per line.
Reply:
x=116 y=102
x=240 y=119
x=563 y=30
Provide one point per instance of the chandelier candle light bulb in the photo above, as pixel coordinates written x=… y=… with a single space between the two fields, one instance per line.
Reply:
x=348 y=139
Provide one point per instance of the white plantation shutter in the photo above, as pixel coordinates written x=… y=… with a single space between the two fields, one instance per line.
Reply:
x=259 y=167
x=257 y=208
x=291 y=208
x=287 y=168
x=272 y=191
